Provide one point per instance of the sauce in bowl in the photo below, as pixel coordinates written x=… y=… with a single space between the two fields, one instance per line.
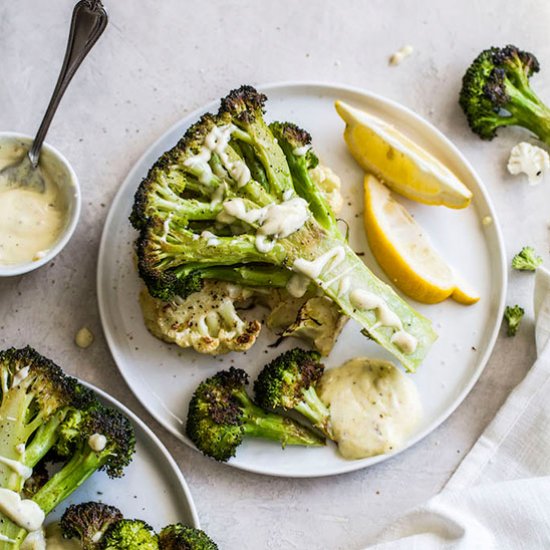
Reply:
x=31 y=222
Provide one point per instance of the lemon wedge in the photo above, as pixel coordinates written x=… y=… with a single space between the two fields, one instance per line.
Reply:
x=405 y=167
x=405 y=252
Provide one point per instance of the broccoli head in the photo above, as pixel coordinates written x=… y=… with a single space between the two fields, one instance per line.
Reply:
x=496 y=92
x=237 y=199
x=513 y=316
x=88 y=522
x=221 y=415
x=288 y=383
x=130 y=534
x=526 y=260
x=182 y=537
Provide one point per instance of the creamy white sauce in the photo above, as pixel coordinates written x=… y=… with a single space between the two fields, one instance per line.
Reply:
x=274 y=221
x=97 y=442
x=20 y=469
x=84 y=338
x=25 y=513
x=297 y=285
x=374 y=407
x=365 y=300
x=216 y=141
x=30 y=222
x=19 y=376
x=301 y=151
x=401 y=54
x=36 y=540
x=211 y=239
x=405 y=341
x=324 y=263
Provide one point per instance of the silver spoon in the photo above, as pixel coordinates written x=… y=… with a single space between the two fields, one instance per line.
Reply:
x=87 y=24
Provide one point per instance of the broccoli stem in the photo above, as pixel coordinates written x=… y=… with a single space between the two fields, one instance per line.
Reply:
x=360 y=277
x=249 y=275
x=259 y=423
x=315 y=411
x=529 y=111
x=70 y=477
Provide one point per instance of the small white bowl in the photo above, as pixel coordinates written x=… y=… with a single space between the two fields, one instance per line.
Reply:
x=68 y=184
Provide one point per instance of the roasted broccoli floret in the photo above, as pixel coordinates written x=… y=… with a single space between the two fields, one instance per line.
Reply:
x=496 y=92
x=130 y=534
x=48 y=415
x=513 y=316
x=221 y=415
x=88 y=522
x=182 y=537
x=526 y=260
x=288 y=383
x=236 y=198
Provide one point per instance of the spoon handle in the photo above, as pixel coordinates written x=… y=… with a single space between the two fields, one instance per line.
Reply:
x=87 y=24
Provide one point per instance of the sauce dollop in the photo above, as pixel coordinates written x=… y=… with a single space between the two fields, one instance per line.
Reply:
x=374 y=407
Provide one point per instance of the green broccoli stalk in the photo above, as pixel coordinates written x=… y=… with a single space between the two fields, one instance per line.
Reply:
x=129 y=534
x=182 y=537
x=513 y=316
x=526 y=259
x=261 y=221
x=87 y=522
x=82 y=461
x=221 y=415
x=496 y=92
x=288 y=383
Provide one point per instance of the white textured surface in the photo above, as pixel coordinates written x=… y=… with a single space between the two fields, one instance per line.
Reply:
x=159 y=60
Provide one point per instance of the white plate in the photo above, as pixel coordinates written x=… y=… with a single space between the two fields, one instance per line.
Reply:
x=152 y=489
x=163 y=377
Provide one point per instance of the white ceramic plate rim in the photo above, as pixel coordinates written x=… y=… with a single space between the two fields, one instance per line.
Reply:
x=20 y=269
x=350 y=466
x=157 y=443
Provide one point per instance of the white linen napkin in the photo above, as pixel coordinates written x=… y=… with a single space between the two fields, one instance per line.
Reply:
x=499 y=497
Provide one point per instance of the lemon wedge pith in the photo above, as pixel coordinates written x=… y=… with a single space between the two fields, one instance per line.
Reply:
x=405 y=252
x=404 y=166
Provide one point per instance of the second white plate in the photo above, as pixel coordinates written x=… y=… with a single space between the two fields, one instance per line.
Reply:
x=152 y=489
x=163 y=377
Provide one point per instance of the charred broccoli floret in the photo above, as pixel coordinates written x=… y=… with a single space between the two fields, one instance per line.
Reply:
x=48 y=415
x=130 y=534
x=182 y=537
x=513 y=316
x=526 y=259
x=288 y=383
x=88 y=522
x=221 y=415
x=496 y=92
x=236 y=198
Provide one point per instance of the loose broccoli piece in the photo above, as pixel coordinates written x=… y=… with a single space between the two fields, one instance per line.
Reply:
x=513 y=316
x=496 y=92
x=130 y=534
x=88 y=522
x=526 y=259
x=221 y=415
x=182 y=537
x=288 y=383
x=235 y=193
